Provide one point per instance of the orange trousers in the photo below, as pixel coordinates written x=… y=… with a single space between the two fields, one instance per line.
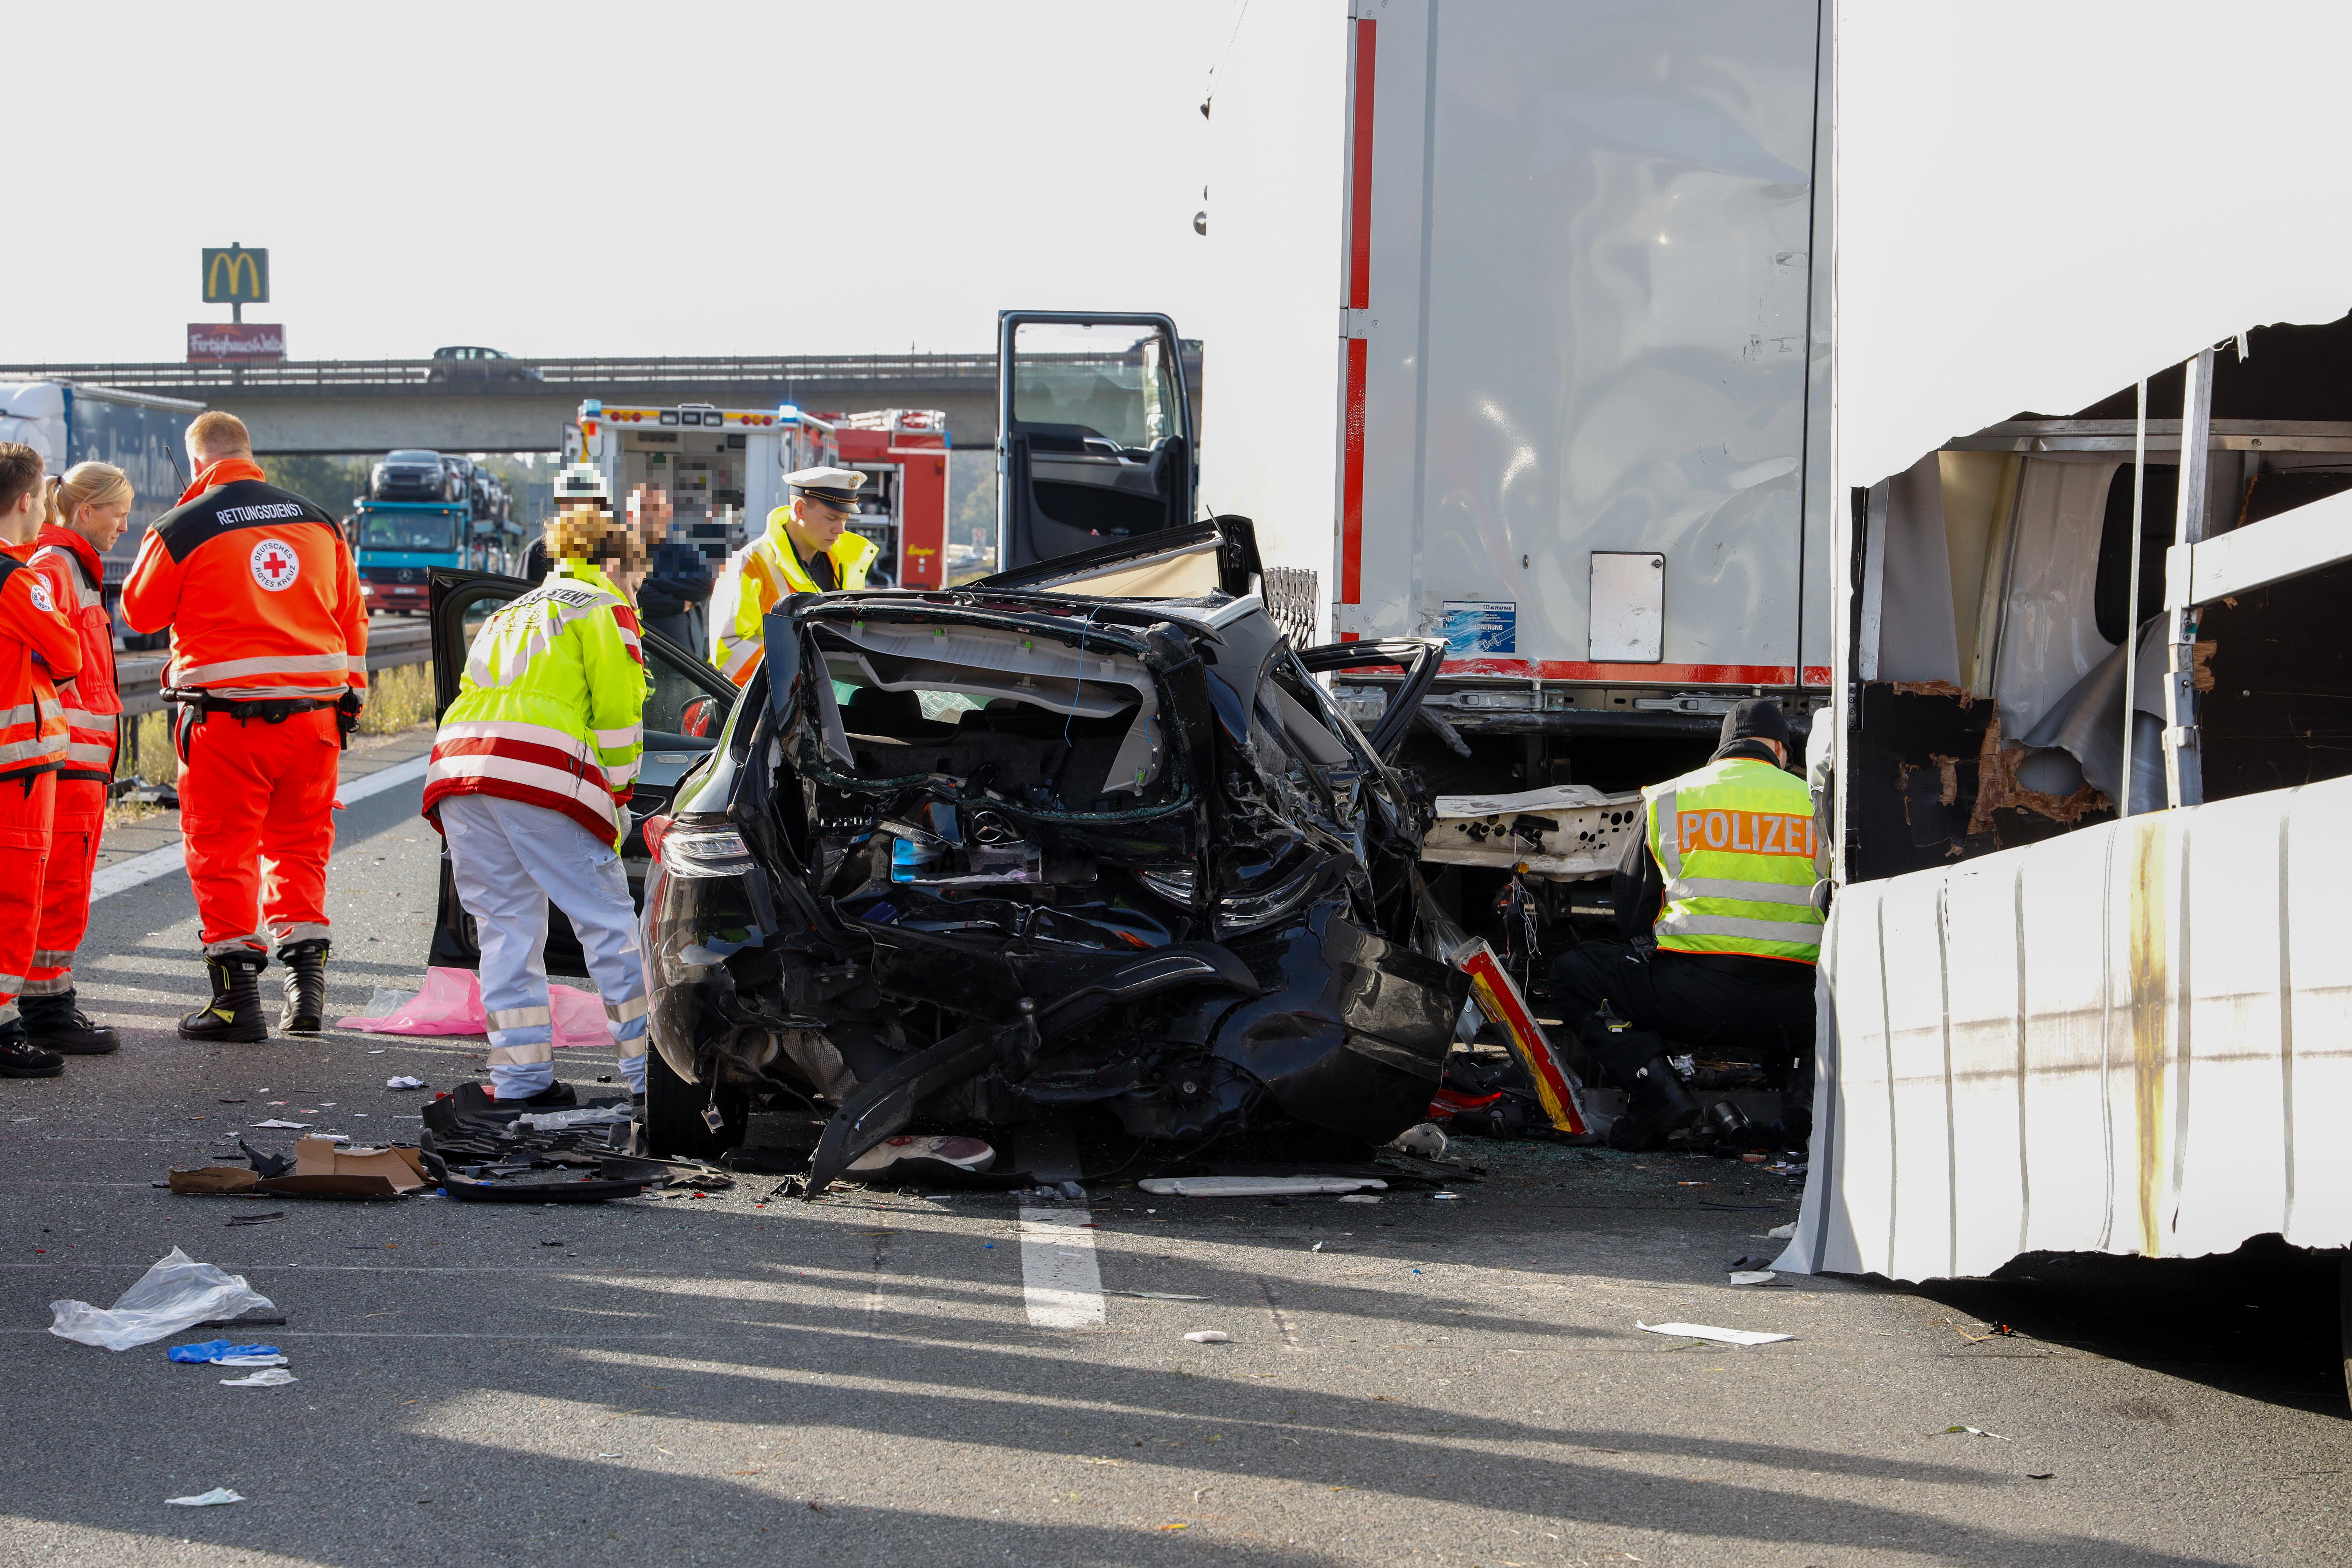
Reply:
x=257 y=813
x=27 y=807
x=75 y=826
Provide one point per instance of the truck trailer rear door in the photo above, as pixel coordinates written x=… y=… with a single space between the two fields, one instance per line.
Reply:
x=1094 y=440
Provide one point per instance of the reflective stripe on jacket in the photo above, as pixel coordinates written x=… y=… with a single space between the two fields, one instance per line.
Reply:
x=1736 y=842
x=550 y=710
x=260 y=590
x=38 y=647
x=761 y=574
x=76 y=575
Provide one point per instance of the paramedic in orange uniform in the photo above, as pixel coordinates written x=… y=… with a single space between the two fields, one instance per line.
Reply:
x=88 y=507
x=268 y=672
x=37 y=648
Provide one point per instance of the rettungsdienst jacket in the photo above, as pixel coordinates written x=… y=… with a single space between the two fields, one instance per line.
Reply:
x=258 y=588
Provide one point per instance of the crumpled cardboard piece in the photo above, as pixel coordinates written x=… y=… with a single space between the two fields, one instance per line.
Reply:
x=322 y=1169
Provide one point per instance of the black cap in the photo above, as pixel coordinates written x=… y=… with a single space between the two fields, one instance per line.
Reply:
x=1755 y=718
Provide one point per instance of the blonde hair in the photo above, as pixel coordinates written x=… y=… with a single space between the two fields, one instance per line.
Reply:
x=87 y=484
x=583 y=533
x=216 y=433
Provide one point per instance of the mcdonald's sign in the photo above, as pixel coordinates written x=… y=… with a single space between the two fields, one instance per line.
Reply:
x=236 y=276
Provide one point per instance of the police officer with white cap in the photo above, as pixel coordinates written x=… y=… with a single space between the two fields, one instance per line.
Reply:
x=806 y=550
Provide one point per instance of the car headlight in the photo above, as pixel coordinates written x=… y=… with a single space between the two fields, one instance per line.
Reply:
x=705 y=852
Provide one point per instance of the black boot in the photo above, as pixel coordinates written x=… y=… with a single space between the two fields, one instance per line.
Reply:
x=306 y=985
x=55 y=1023
x=21 y=1059
x=1656 y=1103
x=235 y=1011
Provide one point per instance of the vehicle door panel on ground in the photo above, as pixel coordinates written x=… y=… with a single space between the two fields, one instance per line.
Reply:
x=1097 y=440
x=686 y=710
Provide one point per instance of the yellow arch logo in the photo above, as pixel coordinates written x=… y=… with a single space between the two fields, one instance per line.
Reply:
x=236 y=276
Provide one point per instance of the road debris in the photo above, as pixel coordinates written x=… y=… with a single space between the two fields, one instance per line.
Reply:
x=269 y=1377
x=1209 y=1337
x=219 y=1349
x=1255 y=1187
x=1973 y=1432
x=1707 y=1332
x=1753 y=1277
x=212 y=1498
x=320 y=1169
x=176 y=1293
x=402 y=1081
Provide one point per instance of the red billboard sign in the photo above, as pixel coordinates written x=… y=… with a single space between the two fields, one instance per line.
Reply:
x=235 y=343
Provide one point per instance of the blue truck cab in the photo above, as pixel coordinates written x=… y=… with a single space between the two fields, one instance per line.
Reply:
x=398 y=544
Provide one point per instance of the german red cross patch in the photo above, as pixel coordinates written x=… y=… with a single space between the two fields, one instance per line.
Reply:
x=275 y=564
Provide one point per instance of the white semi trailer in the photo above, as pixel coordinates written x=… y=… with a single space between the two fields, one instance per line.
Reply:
x=1508 y=342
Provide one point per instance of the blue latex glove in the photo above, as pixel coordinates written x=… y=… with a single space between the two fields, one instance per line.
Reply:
x=213 y=1350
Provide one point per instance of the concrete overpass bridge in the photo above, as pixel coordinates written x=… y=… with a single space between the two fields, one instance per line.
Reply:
x=358 y=408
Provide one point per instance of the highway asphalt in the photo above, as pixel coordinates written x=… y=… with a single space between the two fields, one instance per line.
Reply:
x=875 y=1378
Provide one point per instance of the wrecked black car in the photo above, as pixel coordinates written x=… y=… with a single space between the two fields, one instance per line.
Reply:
x=1080 y=859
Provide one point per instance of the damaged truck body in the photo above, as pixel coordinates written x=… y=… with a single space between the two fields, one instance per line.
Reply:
x=2083 y=987
x=1082 y=857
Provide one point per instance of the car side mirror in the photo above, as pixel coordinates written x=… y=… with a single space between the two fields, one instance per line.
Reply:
x=698 y=717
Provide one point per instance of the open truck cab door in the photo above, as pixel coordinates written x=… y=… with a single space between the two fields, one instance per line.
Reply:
x=685 y=711
x=1096 y=441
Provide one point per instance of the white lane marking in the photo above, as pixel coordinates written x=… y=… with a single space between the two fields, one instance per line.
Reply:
x=1059 y=1279
x=173 y=858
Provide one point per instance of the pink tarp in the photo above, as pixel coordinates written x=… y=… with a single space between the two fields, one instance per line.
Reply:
x=451 y=1003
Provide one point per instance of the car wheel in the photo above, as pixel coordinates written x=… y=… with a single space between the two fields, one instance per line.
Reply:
x=675 y=1127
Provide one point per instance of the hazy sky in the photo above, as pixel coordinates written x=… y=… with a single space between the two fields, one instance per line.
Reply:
x=583 y=178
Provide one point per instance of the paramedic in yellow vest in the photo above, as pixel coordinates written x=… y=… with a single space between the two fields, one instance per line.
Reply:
x=1716 y=900
x=806 y=550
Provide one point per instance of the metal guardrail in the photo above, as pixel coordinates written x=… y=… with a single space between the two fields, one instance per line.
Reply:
x=390 y=644
x=975 y=371
x=328 y=375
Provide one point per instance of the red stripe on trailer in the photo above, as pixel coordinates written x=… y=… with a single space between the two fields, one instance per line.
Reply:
x=1640 y=674
x=1351 y=479
x=1360 y=287
x=1359 y=172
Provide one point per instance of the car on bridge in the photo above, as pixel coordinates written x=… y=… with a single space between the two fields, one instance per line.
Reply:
x=471 y=363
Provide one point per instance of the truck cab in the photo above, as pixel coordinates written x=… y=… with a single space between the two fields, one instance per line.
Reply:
x=398 y=544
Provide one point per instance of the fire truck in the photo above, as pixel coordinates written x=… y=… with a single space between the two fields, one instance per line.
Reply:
x=903 y=505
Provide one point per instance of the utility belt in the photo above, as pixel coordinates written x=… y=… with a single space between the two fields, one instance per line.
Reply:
x=193 y=703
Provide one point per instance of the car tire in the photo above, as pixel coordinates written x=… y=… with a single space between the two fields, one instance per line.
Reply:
x=674 y=1128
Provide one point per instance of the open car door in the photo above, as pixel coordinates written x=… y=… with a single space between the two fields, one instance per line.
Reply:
x=1095 y=437
x=685 y=711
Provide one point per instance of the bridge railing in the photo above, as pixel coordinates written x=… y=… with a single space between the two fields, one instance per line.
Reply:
x=903 y=371
x=764 y=370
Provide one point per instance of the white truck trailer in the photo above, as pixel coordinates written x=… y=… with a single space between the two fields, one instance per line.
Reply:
x=2048 y=1027
x=1508 y=337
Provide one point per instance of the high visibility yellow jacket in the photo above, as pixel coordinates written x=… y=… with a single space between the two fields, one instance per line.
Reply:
x=758 y=576
x=552 y=709
x=1736 y=842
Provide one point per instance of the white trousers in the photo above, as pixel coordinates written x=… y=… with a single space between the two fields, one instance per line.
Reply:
x=510 y=860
